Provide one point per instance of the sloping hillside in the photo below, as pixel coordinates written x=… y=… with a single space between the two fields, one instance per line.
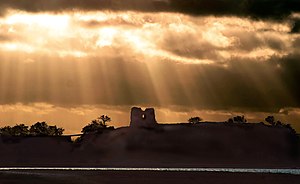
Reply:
x=200 y=145
x=175 y=145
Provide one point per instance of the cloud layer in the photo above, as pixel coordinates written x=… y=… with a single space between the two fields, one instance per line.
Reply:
x=158 y=59
x=69 y=62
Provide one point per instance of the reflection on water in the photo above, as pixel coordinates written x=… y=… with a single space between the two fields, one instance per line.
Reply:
x=234 y=170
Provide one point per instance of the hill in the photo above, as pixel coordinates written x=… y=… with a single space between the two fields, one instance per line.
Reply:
x=165 y=145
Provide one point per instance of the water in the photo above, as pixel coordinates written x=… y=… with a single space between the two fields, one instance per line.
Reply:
x=231 y=170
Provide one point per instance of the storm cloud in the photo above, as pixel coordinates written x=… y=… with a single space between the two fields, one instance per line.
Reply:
x=296 y=26
x=274 y=9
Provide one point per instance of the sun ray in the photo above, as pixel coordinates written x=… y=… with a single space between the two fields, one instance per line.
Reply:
x=85 y=58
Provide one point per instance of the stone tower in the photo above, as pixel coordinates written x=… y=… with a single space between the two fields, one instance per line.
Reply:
x=140 y=118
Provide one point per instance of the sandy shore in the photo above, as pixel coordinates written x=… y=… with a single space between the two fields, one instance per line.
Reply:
x=145 y=177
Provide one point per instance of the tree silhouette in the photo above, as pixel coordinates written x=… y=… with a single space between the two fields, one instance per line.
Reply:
x=97 y=125
x=237 y=119
x=39 y=129
x=194 y=120
x=240 y=119
x=279 y=123
x=17 y=130
x=270 y=120
x=20 y=130
x=42 y=129
x=104 y=119
x=54 y=131
x=6 y=131
x=230 y=120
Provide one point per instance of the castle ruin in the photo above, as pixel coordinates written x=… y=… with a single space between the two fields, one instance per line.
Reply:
x=140 y=118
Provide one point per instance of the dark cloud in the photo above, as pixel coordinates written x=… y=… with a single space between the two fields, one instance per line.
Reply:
x=254 y=8
x=275 y=43
x=275 y=9
x=290 y=74
x=61 y=5
x=190 y=45
x=296 y=26
x=296 y=43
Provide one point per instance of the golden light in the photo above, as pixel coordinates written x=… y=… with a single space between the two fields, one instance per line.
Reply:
x=17 y=47
x=53 y=22
x=106 y=36
x=84 y=38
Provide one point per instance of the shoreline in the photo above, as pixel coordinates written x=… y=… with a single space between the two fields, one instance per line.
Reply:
x=145 y=177
x=291 y=171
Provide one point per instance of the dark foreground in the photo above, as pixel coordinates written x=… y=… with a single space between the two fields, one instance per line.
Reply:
x=145 y=177
x=206 y=144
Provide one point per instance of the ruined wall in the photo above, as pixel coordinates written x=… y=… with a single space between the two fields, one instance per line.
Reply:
x=140 y=118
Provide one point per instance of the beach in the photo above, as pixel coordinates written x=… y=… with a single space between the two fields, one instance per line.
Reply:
x=145 y=177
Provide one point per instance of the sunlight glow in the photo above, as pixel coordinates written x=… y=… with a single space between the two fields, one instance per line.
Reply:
x=55 y=22
x=16 y=47
x=214 y=35
x=260 y=54
x=106 y=36
x=142 y=35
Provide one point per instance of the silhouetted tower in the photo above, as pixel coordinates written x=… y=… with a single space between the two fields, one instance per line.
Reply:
x=140 y=118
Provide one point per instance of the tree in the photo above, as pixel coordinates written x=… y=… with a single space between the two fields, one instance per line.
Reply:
x=240 y=119
x=54 y=131
x=279 y=123
x=94 y=126
x=194 y=120
x=104 y=119
x=17 y=130
x=97 y=125
x=270 y=120
x=20 y=130
x=6 y=131
x=39 y=129
x=230 y=120
x=237 y=119
x=291 y=128
x=42 y=129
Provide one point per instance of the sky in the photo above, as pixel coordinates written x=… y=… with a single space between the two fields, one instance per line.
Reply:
x=69 y=61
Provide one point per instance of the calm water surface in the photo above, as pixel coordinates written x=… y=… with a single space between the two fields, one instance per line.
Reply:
x=233 y=170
